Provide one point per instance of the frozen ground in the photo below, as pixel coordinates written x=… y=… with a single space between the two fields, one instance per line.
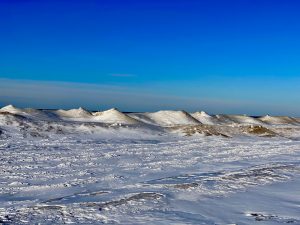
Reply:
x=90 y=173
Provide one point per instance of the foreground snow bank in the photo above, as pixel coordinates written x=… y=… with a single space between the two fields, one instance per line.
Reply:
x=68 y=167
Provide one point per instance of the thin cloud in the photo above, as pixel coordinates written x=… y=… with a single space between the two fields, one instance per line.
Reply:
x=56 y=94
x=122 y=75
x=53 y=94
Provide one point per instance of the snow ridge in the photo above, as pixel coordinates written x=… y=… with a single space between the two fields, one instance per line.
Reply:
x=114 y=116
x=277 y=120
x=74 y=113
x=205 y=118
x=170 y=117
x=11 y=109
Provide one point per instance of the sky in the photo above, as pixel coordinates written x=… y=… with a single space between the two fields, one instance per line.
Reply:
x=233 y=56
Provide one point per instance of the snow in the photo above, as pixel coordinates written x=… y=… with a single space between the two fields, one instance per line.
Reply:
x=94 y=170
x=28 y=112
x=114 y=116
x=276 y=120
x=204 y=118
x=238 y=119
x=11 y=109
x=73 y=113
x=170 y=118
x=244 y=119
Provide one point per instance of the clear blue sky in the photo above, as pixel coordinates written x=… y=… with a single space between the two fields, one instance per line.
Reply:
x=233 y=56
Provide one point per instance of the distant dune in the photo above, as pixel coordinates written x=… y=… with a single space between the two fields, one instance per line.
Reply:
x=40 y=123
x=204 y=118
x=278 y=120
x=171 y=118
x=73 y=113
x=114 y=116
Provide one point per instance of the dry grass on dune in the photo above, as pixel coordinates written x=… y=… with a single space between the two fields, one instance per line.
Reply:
x=260 y=131
x=206 y=130
x=225 y=131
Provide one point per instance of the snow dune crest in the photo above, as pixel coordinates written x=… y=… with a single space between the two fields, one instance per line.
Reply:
x=170 y=118
x=238 y=119
x=73 y=113
x=114 y=116
x=244 y=119
x=163 y=118
x=11 y=109
x=27 y=112
x=205 y=118
x=277 y=120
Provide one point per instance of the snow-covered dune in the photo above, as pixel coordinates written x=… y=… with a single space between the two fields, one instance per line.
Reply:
x=114 y=116
x=47 y=122
x=29 y=112
x=244 y=119
x=238 y=119
x=277 y=120
x=113 y=167
x=74 y=113
x=171 y=118
x=224 y=119
x=204 y=118
x=11 y=109
x=143 y=118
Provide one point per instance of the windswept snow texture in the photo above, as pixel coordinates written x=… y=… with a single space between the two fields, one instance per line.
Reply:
x=169 y=167
x=171 y=118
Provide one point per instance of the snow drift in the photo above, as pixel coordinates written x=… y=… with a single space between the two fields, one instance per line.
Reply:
x=277 y=120
x=74 y=113
x=204 y=118
x=171 y=118
x=114 y=116
x=43 y=123
x=11 y=109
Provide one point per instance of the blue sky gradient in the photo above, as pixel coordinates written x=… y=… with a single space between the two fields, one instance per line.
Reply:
x=235 y=56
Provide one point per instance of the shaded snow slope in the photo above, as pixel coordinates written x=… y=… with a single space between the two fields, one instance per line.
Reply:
x=143 y=118
x=238 y=119
x=223 y=119
x=277 y=120
x=244 y=119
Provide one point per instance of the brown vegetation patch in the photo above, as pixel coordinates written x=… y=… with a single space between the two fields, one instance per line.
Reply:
x=12 y=114
x=206 y=130
x=260 y=131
